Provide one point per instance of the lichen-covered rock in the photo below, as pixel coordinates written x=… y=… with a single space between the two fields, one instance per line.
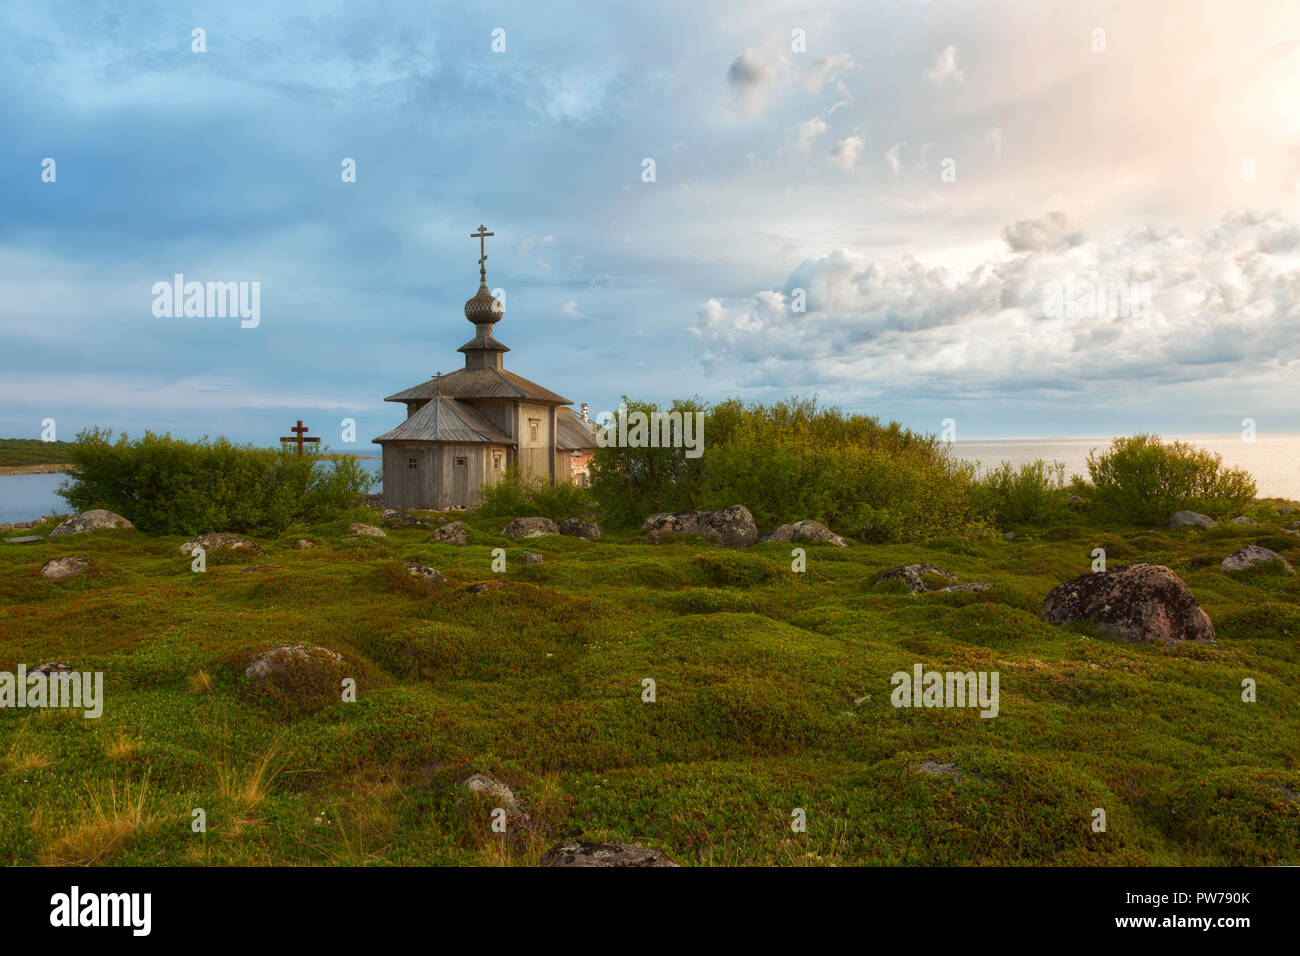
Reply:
x=1243 y=519
x=530 y=528
x=976 y=587
x=1182 y=519
x=93 y=520
x=424 y=572
x=730 y=527
x=1254 y=556
x=303 y=543
x=62 y=569
x=580 y=853
x=480 y=784
x=402 y=518
x=583 y=528
x=914 y=575
x=219 y=540
x=300 y=677
x=808 y=530
x=453 y=532
x=356 y=527
x=1138 y=603
x=531 y=557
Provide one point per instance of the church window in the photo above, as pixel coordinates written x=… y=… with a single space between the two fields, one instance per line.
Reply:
x=496 y=461
x=412 y=463
x=460 y=461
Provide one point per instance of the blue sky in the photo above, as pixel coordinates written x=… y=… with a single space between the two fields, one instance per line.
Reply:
x=1169 y=157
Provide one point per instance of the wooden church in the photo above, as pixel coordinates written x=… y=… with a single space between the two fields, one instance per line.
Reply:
x=464 y=429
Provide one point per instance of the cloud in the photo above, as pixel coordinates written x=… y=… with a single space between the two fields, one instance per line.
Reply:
x=846 y=153
x=1221 y=308
x=802 y=135
x=825 y=69
x=532 y=247
x=570 y=311
x=1051 y=231
x=752 y=76
x=892 y=157
x=946 y=66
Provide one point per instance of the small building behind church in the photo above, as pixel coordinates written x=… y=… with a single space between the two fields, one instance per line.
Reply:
x=463 y=430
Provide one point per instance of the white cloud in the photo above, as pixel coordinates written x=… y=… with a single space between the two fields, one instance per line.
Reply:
x=892 y=157
x=846 y=153
x=946 y=66
x=825 y=69
x=802 y=135
x=753 y=75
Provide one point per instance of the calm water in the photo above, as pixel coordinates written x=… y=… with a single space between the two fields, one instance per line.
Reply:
x=1275 y=463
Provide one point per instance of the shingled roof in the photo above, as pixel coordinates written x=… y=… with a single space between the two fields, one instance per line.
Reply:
x=480 y=383
x=571 y=432
x=449 y=420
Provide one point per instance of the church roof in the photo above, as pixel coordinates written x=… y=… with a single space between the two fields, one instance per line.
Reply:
x=571 y=432
x=447 y=420
x=480 y=383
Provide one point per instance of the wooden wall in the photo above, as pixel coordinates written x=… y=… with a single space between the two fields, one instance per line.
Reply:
x=437 y=482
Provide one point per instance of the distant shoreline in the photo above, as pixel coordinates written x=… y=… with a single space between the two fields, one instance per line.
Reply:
x=52 y=468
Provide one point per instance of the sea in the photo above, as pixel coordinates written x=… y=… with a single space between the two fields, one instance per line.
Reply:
x=1273 y=461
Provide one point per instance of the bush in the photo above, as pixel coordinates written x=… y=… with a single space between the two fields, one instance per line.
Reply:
x=164 y=485
x=790 y=461
x=1033 y=494
x=1144 y=480
x=514 y=496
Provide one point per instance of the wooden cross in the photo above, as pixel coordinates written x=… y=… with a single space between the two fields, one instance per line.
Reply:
x=298 y=431
x=481 y=236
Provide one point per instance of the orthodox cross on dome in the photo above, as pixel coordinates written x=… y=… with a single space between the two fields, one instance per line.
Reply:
x=481 y=236
x=299 y=430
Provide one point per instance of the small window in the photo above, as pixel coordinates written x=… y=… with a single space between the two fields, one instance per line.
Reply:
x=460 y=462
x=496 y=461
x=412 y=463
x=535 y=431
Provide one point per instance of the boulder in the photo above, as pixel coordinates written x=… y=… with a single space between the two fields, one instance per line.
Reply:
x=61 y=569
x=730 y=527
x=1010 y=536
x=976 y=588
x=583 y=528
x=303 y=543
x=454 y=532
x=581 y=853
x=914 y=575
x=299 y=677
x=1253 y=556
x=808 y=530
x=1138 y=603
x=530 y=528
x=356 y=527
x=25 y=539
x=91 y=521
x=1182 y=519
x=1243 y=519
x=219 y=540
x=51 y=667
x=531 y=557
x=425 y=573
x=403 y=518
x=480 y=784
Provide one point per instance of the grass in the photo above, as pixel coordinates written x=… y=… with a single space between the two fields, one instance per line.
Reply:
x=773 y=693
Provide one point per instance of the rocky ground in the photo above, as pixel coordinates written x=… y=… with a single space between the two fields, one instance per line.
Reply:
x=413 y=689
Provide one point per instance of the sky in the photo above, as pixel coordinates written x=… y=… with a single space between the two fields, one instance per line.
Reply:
x=899 y=208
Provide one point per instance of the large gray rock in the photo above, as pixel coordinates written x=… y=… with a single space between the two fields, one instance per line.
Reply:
x=367 y=529
x=220 y=540
x=1138 y=603
x=1253 y=556
x=1182 y=519
x=580 y=853
x=403 y=518
x=730 y=527
x=61 y=569
x=299 y=677
x=424 y=573
x=531 y=557
x=453 y=532
x=807 y=530
x=530 y=528
x=914 y=575
x=1243 y=519
x=583 y=528
x=481 y=785
x=92 y=520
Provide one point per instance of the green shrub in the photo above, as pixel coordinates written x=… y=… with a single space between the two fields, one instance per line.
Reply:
x=165 y=485
x=1033 y=494
x=515 y=496
x=1142 y=479
x=790 y=461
